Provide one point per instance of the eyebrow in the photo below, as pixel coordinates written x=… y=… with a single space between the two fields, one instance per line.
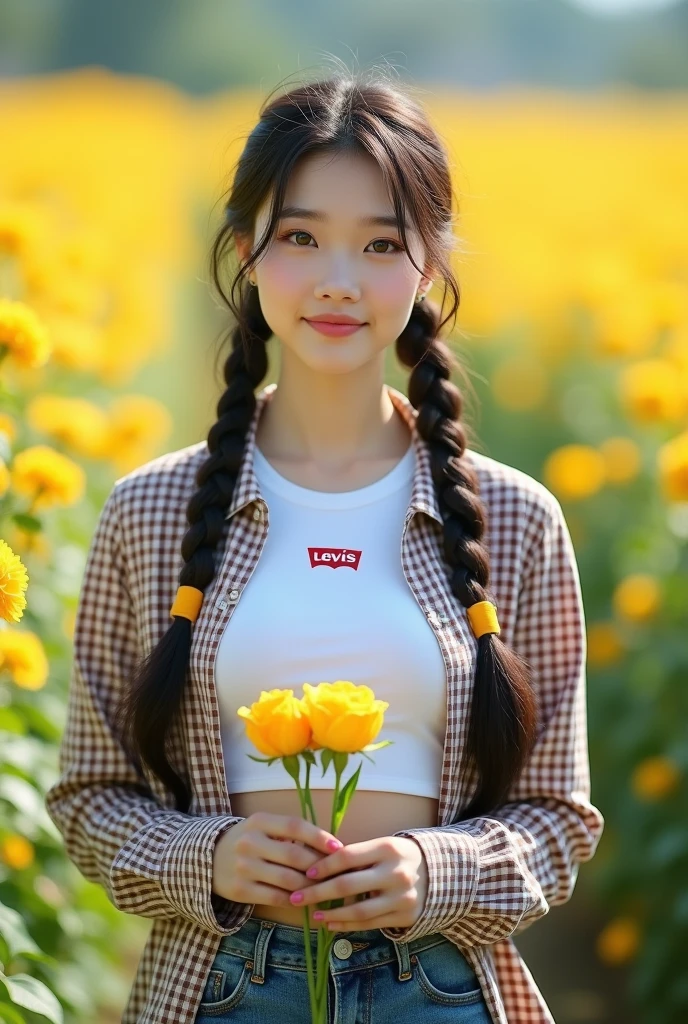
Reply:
x=304 y=214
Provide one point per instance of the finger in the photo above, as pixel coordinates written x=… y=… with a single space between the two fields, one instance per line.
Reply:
x=288 y=852
x=349 y=884
x=387 y=920
x=281 y=876
x=292 y=827
x=348 y=858
x=365 y=910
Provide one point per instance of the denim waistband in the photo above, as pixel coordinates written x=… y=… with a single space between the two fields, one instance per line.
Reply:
x=275 y=944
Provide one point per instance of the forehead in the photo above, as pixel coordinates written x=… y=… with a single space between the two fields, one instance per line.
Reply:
x=346 y=188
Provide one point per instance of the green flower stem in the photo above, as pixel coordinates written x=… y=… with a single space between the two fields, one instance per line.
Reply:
x=315 y=1008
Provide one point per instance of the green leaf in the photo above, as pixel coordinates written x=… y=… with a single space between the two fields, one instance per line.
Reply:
x=13 y=931
x=11 y=721
x=27 y=522
x=308 y=756
x=377 y=746
x=344 y=796
x=263 y=760
x=11 y=1016
x=291 y=764
x=340 y=761
x=326 y=758
x=33 y=995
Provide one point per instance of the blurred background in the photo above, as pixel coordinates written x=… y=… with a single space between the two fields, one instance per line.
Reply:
x=567 y=125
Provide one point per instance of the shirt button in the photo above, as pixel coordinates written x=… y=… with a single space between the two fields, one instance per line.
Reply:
x=257 y=514
x=342 y=949
x=234 y=595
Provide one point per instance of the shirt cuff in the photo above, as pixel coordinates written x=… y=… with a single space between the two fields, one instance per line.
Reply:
x=186 y=876
x=452 y=858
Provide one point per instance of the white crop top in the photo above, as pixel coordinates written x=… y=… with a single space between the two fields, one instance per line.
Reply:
x=328 y=600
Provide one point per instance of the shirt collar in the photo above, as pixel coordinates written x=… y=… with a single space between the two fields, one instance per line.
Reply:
x=423 y=494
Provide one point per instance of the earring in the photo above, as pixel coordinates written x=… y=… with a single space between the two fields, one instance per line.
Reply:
x=252 y=283
x=420 y=297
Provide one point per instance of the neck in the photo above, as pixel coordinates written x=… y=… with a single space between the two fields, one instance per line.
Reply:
x=331 y=421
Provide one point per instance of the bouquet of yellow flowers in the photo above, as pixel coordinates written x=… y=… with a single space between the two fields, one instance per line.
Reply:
x=337 y=719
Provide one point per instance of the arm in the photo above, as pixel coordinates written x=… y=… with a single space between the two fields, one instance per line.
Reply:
x=492 y=876
x=152 y=862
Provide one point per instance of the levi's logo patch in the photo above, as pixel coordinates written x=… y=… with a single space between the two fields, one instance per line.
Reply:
x=334 y=557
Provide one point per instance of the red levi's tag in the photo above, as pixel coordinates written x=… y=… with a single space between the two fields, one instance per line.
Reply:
x=334 y=557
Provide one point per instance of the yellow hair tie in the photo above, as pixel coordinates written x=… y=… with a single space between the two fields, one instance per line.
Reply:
x=187 y=603
x=483 y=618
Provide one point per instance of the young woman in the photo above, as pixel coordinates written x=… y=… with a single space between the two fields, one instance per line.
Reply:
x=332 y=528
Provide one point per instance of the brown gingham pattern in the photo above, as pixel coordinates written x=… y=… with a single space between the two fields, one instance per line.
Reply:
x=490 y=877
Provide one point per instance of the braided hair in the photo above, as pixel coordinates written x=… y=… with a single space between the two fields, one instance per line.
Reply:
x=341 y=113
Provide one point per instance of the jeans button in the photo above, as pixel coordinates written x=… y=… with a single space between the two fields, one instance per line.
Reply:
x=342 y=949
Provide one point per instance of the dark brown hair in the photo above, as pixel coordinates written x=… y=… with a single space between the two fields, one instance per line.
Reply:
x=376 y=118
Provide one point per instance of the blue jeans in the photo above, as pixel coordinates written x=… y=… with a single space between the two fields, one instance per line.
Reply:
x=259 y=975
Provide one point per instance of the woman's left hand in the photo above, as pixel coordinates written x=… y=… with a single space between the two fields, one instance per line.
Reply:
x=391 y=868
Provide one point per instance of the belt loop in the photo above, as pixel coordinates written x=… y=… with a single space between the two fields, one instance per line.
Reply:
x=260 y=950
x=402 y=951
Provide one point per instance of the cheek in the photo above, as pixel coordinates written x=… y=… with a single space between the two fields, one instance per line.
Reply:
x=392 y=295
x=281 y=276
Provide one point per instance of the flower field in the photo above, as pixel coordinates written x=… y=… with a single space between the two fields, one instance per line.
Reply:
x=573 y=338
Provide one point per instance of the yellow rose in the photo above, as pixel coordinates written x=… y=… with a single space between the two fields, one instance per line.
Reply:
x=276 y=723
x=343 y=716
x=618 y=942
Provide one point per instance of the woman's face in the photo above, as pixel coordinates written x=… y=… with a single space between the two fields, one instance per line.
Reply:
x=336 y=263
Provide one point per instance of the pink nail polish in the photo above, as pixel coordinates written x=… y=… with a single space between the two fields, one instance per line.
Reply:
x=318 y=915
x=312 y=872
x=296 y=897
x=334 y=844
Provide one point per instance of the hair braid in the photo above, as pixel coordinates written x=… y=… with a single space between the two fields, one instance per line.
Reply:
x=147 y=713
x=501 y=731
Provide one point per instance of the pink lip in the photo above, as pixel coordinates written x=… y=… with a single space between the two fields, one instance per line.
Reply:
x=334 y=330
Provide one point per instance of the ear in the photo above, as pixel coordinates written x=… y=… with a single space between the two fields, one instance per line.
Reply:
x=243 y=247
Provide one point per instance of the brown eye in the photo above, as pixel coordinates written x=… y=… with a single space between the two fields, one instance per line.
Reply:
x=386 y=241
x=304 y=234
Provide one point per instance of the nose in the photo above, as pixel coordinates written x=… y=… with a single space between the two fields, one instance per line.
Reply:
x=338 y=285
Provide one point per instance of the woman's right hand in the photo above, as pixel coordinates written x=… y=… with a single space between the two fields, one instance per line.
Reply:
x=264 y=858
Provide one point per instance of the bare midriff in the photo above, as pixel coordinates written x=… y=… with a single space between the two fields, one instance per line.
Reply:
x=370 y=815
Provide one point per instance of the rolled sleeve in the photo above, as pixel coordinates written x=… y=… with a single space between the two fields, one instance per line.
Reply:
x=493 y=875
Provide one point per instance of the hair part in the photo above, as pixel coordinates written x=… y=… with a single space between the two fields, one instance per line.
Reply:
x=339 y=114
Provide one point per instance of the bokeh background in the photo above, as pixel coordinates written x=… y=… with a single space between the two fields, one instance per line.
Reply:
x=567 y=124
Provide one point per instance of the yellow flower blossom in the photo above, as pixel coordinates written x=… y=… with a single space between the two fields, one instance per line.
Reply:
x=605 y=646
x=22 y=335
x=17 y=852
x=14 y=581
x=652 y=392
x=520 y=383
x=574 y=471
x=276 y=723
x=343 y=716
x=654 y=778
x=622 y=459
x=75 y=421
x=76 y=343
x=5 y=478
x=672 y=461
x=29 y=542
x=47 y=477
x=627 y=325
x=137 y=421
x=637 y=597
x=618 y=942
x=23 y=656
x=8 y=426
x=21 y=228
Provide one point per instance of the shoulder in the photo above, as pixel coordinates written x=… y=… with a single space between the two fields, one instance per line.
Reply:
x=515 y=501
x=158 y=491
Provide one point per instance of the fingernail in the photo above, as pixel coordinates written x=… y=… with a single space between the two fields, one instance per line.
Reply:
x=334 y=844
x=312 y=872
x=318 y=915
x=296 y=897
